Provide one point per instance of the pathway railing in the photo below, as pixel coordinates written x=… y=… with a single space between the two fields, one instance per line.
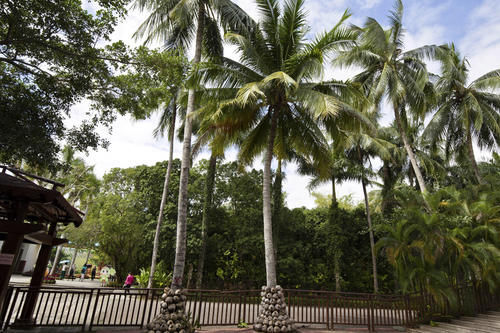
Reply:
x=97 y=307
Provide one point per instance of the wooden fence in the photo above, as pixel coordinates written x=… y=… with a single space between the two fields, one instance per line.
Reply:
x=97 y=307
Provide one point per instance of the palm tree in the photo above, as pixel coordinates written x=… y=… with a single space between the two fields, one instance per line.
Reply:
x=270 y=94
x=166 y=124
x=176 y=23
x=387 y=70
x=465 y=111
x=358 y=148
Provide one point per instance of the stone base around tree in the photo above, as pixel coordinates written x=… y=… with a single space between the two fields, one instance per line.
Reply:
x=273 y=316
x=172 y=317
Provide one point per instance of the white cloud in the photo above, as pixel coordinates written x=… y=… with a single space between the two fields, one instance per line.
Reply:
x=367 y=4
x=481 y=42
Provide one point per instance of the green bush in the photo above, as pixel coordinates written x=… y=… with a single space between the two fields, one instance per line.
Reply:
x=160 y=279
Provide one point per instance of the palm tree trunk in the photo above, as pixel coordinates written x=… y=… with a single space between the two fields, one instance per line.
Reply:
x=56 y=259
x=472 y=158
x=334 y=192
x=163 y=199
x=180 y=245
x=336 y=267
x=372 y=240
x=266 y=209
x=409 y=151
x=207 y=207
x=277 y=206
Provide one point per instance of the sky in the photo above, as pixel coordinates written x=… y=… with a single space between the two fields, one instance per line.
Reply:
x=473 y=25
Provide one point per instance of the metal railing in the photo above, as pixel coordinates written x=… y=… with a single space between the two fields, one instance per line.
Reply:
x=97 y=307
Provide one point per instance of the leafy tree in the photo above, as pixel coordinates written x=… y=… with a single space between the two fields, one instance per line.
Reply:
x=49 y=61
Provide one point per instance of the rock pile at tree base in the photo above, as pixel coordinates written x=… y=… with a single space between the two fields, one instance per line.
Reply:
x=172 y=317
x=273 y=316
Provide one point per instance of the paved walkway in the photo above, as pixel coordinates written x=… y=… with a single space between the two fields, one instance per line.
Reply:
x=76 y=283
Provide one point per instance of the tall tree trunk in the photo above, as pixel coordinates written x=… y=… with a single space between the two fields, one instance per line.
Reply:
x=472 y=158
x=56 y=259
x=277 y=206
x=409 y=151
x=89 y=251
x=336 y=267
x=73 y=258
x=334 y=192
x=372 y=240
x=207 y=208
x=266 y=209
x=370 y=229
x=180 y=244
x=163 y=199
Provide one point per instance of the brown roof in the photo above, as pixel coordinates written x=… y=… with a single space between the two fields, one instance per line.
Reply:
x=45 y=205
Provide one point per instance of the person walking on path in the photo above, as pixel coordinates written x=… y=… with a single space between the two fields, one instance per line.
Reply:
x=128 y=281
x=63 y=272
x=84 y=270
x=92 y=274
x=72 y=272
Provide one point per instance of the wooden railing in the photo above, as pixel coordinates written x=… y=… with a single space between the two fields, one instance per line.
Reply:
x=90 y=308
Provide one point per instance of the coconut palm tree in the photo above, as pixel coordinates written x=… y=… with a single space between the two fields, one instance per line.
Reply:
x=465 y=111
x=177 y=23
x=270 y=93
x=387 y=70
x=166 y=124
x=359 y=148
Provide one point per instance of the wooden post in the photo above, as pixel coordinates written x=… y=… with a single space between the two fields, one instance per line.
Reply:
x=10 y=249
x=15 y=229
x=26 y=318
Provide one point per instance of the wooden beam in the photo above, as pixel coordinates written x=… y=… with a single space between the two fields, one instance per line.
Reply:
x=19 y=228
x=41 y=237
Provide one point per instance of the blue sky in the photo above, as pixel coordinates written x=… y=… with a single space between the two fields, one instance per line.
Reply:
x=474 y=26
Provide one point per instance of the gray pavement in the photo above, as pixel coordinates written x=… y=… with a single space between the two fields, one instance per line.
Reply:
x=76 y=283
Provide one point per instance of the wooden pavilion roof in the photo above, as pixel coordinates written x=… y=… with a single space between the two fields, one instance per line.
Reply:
x=45 y=205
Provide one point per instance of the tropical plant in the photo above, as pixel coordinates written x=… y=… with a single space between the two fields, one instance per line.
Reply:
x=176 y=23
x=270 y=94
x=359 y=148
x=388 y=70
x=465 y=111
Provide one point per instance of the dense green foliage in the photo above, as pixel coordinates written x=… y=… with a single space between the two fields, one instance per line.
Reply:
x=125 y=213
x=49 y=61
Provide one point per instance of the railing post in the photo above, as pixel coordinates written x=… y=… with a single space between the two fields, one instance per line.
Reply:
x=5 y=324
x=87 y=312
x=147 y=294
x=245 y=309
x=239 y=309
x=150 y=307
x=199 y=308
x=328 y=311
x=8 y=295
x=407 y=310
x=95 y=309
x=369 y=313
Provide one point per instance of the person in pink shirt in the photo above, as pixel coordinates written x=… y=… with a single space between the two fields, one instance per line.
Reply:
x=128 y=281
